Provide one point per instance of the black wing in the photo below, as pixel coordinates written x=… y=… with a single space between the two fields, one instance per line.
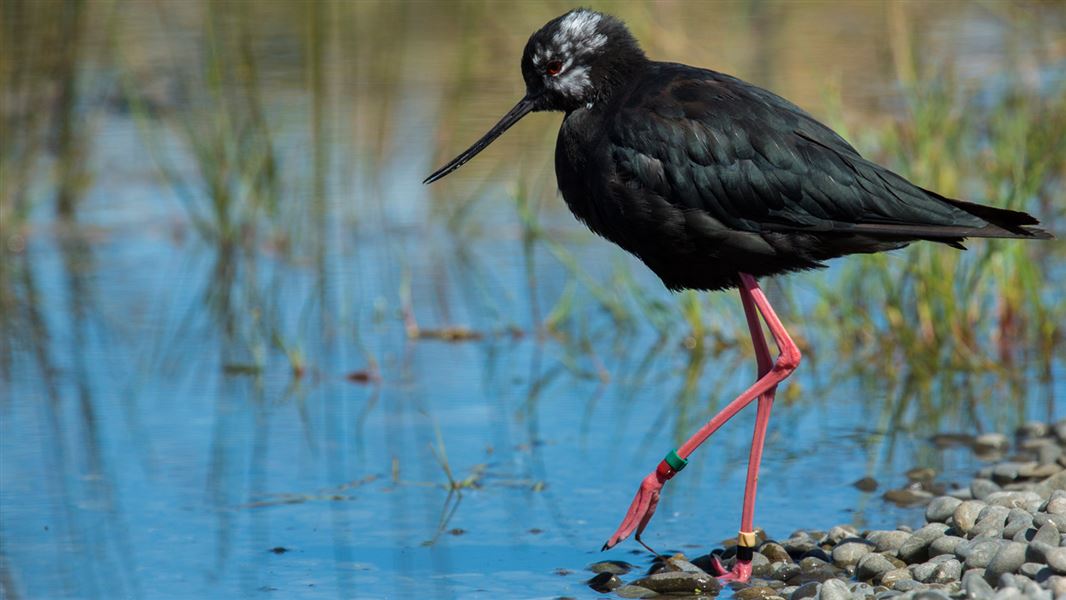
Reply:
x=756 y=162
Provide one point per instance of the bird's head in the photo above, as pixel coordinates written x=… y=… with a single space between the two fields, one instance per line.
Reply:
x=576 y=58
x=573 y=61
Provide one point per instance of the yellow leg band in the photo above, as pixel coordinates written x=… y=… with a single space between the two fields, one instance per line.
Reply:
x=746 y=539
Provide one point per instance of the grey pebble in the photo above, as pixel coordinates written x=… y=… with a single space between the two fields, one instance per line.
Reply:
x=945 y=545
x=1039 y=519
x=755 y=592
x=1039 y=552
x=1018 y=520
x=1006 y=472
x=834 y=589
x=1056 y=503
x=679 y=563
x=1059 y=429
x=887 y=541
x=1035 y=571
x=990 y=522
x=981 y=488
x=1051 y=484
x=973 y=582
x=774 y=552
x=635 y=591
x=799 y=544
x=617 y=567
x=906 y=585
x=675 y=582
x=838 y=533
x=941 y=508
x=1027 y=500
x=931 y=594
x=893 y=577
x=916 y=546
x=1056 y=559
x=1048 y=453
x=1048 y=534
x=604 y=582
x=782 y=571
x=1008 y=559
x=849 y=552
x=807 y=590
x=991 y=442
x=872 y=565
x=1057 y=585
x=946 y=572
x=981 y=554
x=1033 y=429
x=965 y=516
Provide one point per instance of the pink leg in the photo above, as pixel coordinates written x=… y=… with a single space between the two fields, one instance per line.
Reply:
x=770 y=375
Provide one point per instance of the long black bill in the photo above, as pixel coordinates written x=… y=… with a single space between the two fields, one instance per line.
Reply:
x=524 y=106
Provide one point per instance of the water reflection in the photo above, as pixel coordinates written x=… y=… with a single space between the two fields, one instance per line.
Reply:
x=255 y=354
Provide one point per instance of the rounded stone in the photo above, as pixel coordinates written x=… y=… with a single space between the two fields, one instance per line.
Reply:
x=973 y=582
x=907 y=585
x=1057 y=585
x=849 y=553
x=774 y=552
x=834 y=589
x=1035 y=571
x=1026 y=500
x=755 y=592
x=991 y=442
x=946 y=572
x=604 y=582
x=1048 y=534
x=1056 y=503
x=915 y=548
x=866 y=484
x=1040 y=519
x=990 y=522
x=807 y=590
x=872 y=565
x=838 y=533
x=618 y=567
x=981 y=554
x=887 y=541
x=945 y=545
x=783 y=571
x=965 y=515
x=635 y=591
x=1056 y=559
x=1008 y=559
x=981 y=488
x=941 y=508
x=679 y=582
x=797 y=545
x=1032 y=429
x=1017 y=520
x=891 y=578
x=921 y=474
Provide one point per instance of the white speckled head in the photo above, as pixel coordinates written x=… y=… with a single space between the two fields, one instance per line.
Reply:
x=565 y=60
x=574 y=62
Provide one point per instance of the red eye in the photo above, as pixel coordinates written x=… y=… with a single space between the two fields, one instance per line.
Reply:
x=553 y=68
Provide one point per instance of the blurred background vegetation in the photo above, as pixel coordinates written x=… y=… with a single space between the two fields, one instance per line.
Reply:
x=269 y=122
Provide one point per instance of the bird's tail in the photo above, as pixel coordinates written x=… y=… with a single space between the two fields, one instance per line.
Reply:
x=1002 y=222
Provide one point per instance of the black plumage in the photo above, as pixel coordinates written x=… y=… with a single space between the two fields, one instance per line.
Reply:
x=702 y=175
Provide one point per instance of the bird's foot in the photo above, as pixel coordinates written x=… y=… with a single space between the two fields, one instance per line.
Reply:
x=740 y=573
x=643 y=506
x=640 y=510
